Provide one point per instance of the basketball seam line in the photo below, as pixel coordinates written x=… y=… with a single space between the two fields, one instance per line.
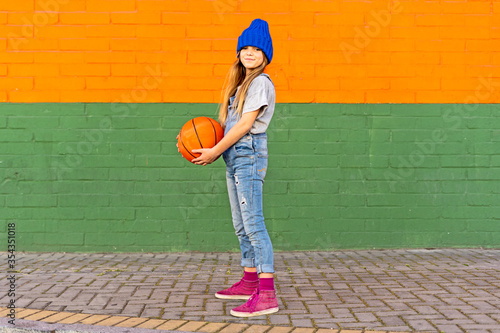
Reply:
x=186 y=147
x=196 y=132
x=215 y=132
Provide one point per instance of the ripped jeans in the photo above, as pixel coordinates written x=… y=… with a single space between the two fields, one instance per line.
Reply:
x=246 y=165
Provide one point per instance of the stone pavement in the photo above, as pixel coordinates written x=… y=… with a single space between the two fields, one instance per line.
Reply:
x=418 y=290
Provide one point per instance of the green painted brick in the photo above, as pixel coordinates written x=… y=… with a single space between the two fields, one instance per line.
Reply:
x=340 y=176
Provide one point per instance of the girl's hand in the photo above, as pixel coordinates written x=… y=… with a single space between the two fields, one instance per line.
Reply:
x=177 y=144
x=207 y=156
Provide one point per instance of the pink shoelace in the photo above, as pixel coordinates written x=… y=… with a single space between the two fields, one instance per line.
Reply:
x=252 y=301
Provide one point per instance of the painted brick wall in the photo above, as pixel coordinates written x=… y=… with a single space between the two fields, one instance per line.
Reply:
x=87 y=177
x=180 y=51
x=385 y=132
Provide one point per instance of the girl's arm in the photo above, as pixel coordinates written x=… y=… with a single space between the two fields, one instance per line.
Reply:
x=208 y=155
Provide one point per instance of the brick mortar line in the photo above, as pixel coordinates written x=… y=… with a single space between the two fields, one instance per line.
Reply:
x=248 y=328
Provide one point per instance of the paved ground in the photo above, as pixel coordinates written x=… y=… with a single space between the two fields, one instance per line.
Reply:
x=448 y=290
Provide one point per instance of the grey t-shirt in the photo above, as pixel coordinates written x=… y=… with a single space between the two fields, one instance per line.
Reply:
x=260 y=95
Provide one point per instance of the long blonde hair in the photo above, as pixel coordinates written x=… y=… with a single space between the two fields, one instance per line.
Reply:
x=236 y=76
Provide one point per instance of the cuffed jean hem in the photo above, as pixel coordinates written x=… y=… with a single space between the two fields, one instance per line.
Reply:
x=265 y=269
x=248 y=262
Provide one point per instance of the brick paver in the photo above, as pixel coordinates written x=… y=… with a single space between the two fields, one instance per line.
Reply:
x=450 y=290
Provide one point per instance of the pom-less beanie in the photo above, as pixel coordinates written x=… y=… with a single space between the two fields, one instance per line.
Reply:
x=257 y=35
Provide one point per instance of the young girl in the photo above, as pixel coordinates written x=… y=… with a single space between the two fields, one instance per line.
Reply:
x=245 y=115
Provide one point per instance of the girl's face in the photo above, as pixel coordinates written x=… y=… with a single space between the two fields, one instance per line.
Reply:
x=251 y=57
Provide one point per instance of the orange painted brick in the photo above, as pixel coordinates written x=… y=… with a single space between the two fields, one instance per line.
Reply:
x=221 y=31
x=3 y=17
x=191 y=326
x=450 y=96
x=60 y=7
x=209 y=57
x=39 y=315
x=30 y=70
x=171 y=324
x=415 y=58
x=290 y=18
x=459 y=84
x=172 y=18
x=22 y=44
x=74 y=318
x=93 y=319
x=364 y=84
x=464 y=32
x=449 y=45
x=112 y=321
x=131 y=322
x=20 y=5
x=39 y=19
x=61 y=32
x=296 y=96
x=86 y=69
x=42 y=96
x=3 y=96
x=57 y=317
x=84 y=18
x=421 y=7
x=162 y=5
x=142 y=17
x=395 y=96
x=471 y=7
x=115 y=82
x=103 y=30
x=359 y=7
x=161 y=31
x=496 y=8
x=16 y=31
x=58 y=57
x=396 y=70
x=482 y=45
x=152 y=323
x=110 y=5
x=257 y=329
x=201 y=83
x=404 y=83
x=275 y=6
x=340 y=96
x=398 y=20
x=8 y=83
x=183 y=96
x=314 y=84
x=314 y=6
x=438 y=19
x=84 y=44
x=126 y=69
x=207 y=6
x=196 y=44
x=3 y=44
x=117 y=57
x=415 y=32
x=212 y=327
x=234 y=328
x=136 y=44
x=71 y=83
x=339 y=19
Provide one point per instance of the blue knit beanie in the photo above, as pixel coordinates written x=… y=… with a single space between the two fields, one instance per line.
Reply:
x=257 y=35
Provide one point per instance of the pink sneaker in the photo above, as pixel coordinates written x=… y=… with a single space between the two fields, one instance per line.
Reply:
x=240 y=290
x=261 y=303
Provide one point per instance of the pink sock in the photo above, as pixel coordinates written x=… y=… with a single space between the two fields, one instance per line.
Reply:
x=266 y=283
x=251 y=276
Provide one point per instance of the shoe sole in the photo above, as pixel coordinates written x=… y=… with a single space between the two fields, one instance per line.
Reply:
x=221 y=296
x=258 y=313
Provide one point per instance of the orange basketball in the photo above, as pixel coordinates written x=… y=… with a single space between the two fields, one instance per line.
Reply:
x=199 y=132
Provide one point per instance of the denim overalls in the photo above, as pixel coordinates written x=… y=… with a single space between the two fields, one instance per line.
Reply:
x=246 y=165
